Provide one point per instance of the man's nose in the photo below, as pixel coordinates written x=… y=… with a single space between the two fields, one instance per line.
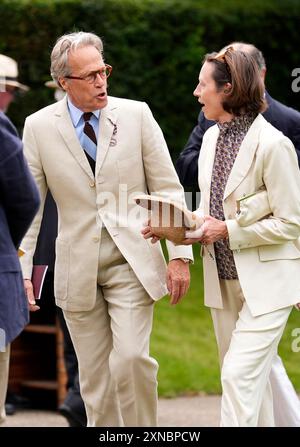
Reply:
x=99 y=81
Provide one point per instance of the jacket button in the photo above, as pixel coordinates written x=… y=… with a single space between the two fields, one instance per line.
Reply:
x=96 y=239
x=92 y=184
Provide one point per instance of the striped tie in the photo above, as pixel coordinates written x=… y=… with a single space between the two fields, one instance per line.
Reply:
x=90 y=141
x=88 y=128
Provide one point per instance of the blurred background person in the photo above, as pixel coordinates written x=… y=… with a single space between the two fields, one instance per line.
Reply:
x=18 y=206
x=9 y=84
x=9 y=88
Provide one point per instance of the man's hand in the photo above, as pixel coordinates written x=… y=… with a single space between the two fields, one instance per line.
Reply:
x=147 y=233
x=30 y=296
x=178 y=279
x=211 y=231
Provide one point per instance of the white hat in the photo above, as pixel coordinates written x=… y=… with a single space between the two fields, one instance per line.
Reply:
x=51 y=84
x=59 y=93
x=9 y=73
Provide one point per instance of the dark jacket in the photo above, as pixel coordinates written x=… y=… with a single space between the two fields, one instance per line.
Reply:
x=19 y=202
x=45 y=247
x=280 y=116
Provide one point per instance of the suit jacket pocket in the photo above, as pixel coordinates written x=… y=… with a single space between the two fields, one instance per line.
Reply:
x=131 y=173
x=288 y=250
x=61 y=270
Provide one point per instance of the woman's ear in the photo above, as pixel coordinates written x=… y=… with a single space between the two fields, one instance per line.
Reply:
x=227 y=88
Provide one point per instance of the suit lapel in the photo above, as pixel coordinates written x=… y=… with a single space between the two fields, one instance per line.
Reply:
x=68 y=133
x=244 y=157
x=206 y=163
x=107 y=132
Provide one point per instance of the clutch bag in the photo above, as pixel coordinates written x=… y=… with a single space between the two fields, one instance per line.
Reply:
x=252 y=208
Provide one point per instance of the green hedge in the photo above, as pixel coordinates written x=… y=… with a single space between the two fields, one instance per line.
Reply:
x=155 y=47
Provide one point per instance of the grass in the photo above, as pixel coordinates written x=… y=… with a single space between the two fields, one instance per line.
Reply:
x=183 y=342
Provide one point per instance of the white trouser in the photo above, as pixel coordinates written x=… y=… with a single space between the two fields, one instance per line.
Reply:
x=226 y=321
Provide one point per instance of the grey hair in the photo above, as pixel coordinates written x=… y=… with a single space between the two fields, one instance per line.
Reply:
x=250 y=49
x=67 y=43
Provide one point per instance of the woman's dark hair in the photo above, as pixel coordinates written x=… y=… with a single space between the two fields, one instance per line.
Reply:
x=246 y=94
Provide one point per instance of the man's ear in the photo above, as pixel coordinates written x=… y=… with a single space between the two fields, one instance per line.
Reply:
x=263 y=72
x=62 y=83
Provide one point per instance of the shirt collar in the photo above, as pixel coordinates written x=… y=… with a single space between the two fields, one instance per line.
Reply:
x=76 y=113
x=238 y=123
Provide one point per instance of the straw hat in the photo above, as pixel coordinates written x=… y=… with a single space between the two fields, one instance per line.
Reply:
x=169 y=220
x=9 y=73
x=51 y=84
x=59 y=93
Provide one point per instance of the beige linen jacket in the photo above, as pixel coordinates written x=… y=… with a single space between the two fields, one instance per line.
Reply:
x=132 y=157
x=266 y=253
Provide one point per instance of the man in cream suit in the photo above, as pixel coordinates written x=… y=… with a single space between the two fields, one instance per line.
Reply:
x=94 y=153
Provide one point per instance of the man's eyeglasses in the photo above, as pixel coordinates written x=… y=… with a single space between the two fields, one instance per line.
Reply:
x=91 y=77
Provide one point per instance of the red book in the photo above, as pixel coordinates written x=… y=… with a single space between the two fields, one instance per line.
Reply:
x=37 y=279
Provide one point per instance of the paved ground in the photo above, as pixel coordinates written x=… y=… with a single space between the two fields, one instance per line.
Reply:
x=196 y=411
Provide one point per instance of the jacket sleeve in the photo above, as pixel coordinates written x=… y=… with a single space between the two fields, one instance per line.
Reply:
x=160 y=173
x=32 y=154
x=187 y=163
x=19 y=193
x=281 y=176
x=296 y=138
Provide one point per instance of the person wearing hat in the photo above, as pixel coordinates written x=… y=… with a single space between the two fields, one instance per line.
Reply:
x=9 y=83
x=58 y=92
x=18 y=207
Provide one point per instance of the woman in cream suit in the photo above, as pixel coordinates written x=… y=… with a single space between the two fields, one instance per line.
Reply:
x=251 y=273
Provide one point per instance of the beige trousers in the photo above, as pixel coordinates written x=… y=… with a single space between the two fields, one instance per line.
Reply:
x=4 y=371
x=117 y=376
x=247 y=347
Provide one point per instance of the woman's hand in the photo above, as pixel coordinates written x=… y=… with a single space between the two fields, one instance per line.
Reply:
x=211 y=231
